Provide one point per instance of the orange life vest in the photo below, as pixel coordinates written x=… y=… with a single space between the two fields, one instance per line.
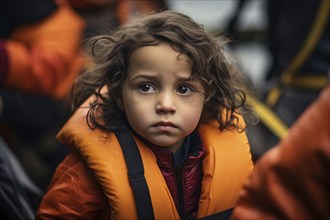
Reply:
x=226 y=165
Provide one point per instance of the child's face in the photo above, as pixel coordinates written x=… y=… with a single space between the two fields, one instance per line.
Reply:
x=162 y=103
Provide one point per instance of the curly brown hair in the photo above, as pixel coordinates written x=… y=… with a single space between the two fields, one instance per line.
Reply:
x=224 y=99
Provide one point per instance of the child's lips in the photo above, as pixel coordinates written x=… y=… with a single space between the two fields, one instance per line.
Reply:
x=165 y=126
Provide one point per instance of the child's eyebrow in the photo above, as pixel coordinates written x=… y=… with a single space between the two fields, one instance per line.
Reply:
x=151 y=77
x=143 y=76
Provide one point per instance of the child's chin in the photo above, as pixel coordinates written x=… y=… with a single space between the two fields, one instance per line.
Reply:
x=166 y=143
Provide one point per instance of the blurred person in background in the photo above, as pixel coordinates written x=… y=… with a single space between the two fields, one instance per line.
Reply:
x=40 y=57
x=291 y=181
x=298 y=41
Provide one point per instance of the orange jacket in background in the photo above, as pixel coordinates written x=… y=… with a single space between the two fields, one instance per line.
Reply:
x=45 y=57
x=292 y=180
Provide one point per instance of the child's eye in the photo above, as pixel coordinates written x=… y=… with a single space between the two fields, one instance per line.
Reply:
x=185 y=90
x=146 y=88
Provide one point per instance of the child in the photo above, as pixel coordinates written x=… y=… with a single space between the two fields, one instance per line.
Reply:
x=166 y=81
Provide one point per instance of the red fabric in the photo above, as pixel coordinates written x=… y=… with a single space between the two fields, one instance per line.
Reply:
x=191 y=179
x=78 y=190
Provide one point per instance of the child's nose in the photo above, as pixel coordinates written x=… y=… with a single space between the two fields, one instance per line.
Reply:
x=166 y=103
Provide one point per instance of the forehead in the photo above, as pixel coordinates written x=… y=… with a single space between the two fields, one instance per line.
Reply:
x=162 y=50
x=159 y=58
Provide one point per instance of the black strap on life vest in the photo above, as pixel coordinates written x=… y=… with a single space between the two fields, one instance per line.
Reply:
x=136 y=174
